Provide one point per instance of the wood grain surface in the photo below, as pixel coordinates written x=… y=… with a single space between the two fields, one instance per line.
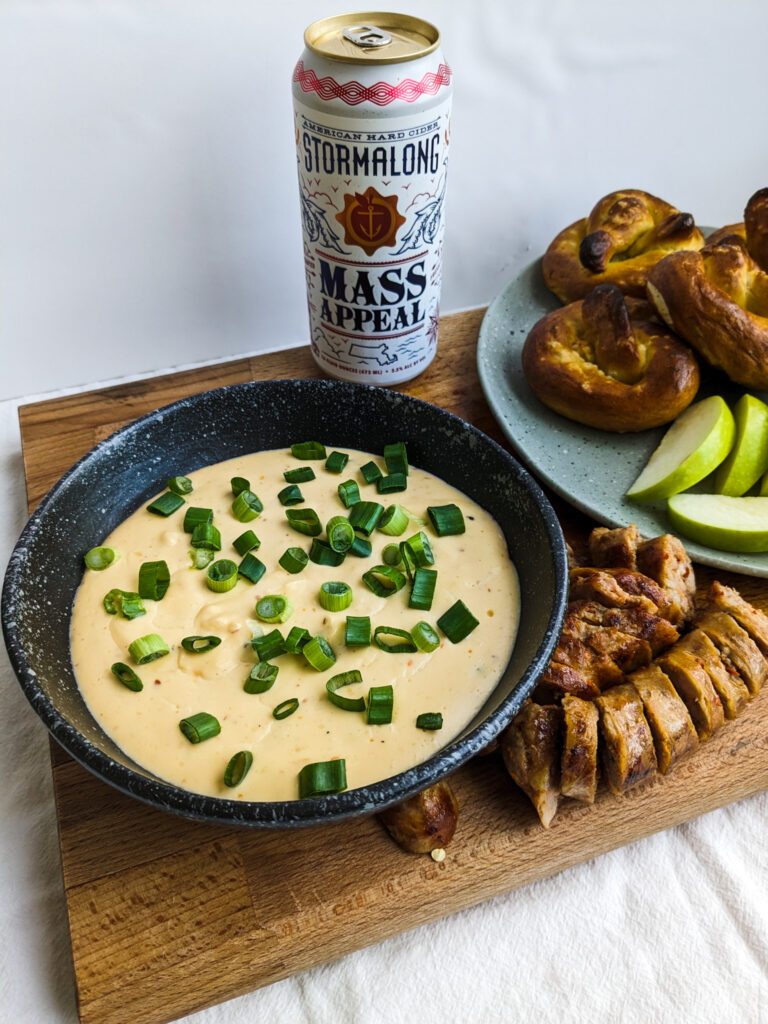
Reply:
x=168 y=916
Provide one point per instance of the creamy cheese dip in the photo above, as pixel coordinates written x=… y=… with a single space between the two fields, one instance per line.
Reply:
x=454 y=679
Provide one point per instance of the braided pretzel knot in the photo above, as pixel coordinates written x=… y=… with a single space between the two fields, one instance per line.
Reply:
x=717 y=299
x=590 y=362
x=624 y=236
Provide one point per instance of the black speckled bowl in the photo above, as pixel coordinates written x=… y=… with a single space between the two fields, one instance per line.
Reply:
x=122 y=472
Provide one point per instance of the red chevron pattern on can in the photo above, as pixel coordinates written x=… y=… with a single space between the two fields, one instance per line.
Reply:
x=381 y=93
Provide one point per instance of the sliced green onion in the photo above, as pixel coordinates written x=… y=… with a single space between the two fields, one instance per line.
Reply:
x=300 y=475
x=349 y=493
x=458 y=622
x=340 y=533
x=261 y=678
x=318 y=653
x=246 y=506
x=125 y=603
x=335 y=596
x=125 y=675
x=393 y=482
x=391 y=554
x=446 y=519
x=381 y=701
x=396 y=458
x=322 y=778
x=308 y=450
x=251 y=568
x=361 y=548
x=384 y=580
x=421 y=549
x=408 y=559
x=154 y=580
x=239 y=484
x=199 y=727
x=430 y=720
x=290 y=495
x=394 y=521
x=296 y=639
x=238 y=767
x=148 y=648
x=370 y=472
x=336 y=462
x=246 y=542
x=286 y=708
x=403 y=645
x=274 y=608
x=180 y=485
x=200 y=644
x=206 y=535
x=221 y=576
x=194 y=516
x=293 y=560
x=99 y=558
x=423 y=589
x=166 y=504
x=322 y=553
x=358 y=631
x=365 y=516
x=201 y=558
x=304 y=520
x=269 y=646
x=345 y=679
x=425 y=637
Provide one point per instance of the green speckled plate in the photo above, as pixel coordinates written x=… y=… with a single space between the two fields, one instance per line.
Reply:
x=591 y=469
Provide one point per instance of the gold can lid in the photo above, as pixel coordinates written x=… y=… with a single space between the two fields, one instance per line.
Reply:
x=372 y=37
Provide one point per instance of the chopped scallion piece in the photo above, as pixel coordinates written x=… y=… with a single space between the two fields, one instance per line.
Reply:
x=361 y=548
x=384 y=580
x=269 y=646
x=425 y=637
x=322 y=778
x=396 y=458
x=293 y=560
x=304 y=520
x=391 y=483
x=370 y=472
x=423 y=589
x=336 y=682
x=286 y=708
x=381 y=701
x=200 y=644
x=290 y=495
x=394 y=521
x=201 y=558
x=206 y=535
x=322 y=553
x=421 y=549
x=349 y=493
x=238 y=767
x=336 y=462
x=340 y=533
x=391 y=554
x=458 y=622
x=246 y=506
x=199 y=727
x=358 y=631
x=194 y=516
x=308 y=450
x=408 y=559
x=301 y=475
x=261 y=678
x=239 y=484
x=148 y=648
x=319 y=653
x=180 y=485
x=125 y=603
x=274 y=608
x=430 y=720
x=403 y=644
x=166 y=504
x=365 y=516
x=446 y=519
x=154 y=580
x=296 y=639
x=335 y=596
x=125 y=675
x=246 y=542
x=221 y=576
x=100 y=558
x=251 y=568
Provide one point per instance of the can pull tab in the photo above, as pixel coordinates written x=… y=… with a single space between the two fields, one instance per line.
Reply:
x=367 y=35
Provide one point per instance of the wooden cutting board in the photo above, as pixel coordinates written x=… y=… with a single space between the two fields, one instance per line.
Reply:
x=168 y=916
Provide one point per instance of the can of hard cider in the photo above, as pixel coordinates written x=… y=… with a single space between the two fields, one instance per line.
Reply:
x=372 y=101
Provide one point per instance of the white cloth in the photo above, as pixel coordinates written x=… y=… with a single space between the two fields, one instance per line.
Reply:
x=673 y=928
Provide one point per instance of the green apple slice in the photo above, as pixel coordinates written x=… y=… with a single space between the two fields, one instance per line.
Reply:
x=695 y=444
x=748 y=459
x=721 y=521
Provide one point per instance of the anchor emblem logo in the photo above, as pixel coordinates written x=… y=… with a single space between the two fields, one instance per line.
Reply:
x=370 y=220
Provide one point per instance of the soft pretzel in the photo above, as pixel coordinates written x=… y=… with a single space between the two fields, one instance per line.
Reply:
x=717 y=299
x=590 y=362
x=625 y=235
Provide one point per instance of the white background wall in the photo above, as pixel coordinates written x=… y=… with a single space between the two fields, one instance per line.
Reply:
x=148 y=201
